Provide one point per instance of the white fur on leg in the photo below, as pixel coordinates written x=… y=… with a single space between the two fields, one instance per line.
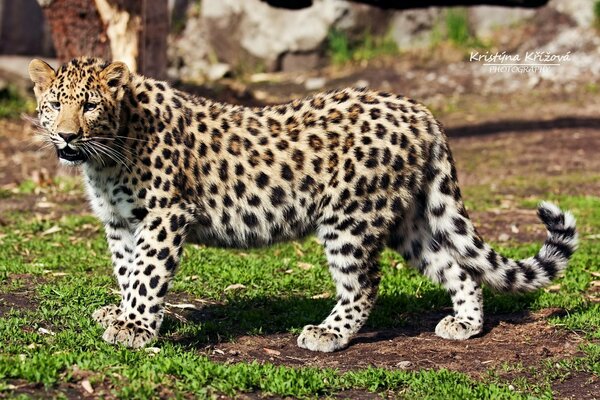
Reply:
x=456 y=329
x=319 y=338
x=106 y=315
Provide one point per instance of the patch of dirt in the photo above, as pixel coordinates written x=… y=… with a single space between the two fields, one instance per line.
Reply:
x=512 y=339
x=520 y=226
x=68 y=390
x=51 y=206
x=536 y=154
x=38 y=391
x=361 y=395
x=22 y=298
x=578 y=386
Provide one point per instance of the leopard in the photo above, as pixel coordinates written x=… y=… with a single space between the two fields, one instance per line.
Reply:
x=359 y=169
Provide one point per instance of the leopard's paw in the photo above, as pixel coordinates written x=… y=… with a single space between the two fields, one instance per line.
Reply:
x=106 y=315
x=321 y=338
x=456 y=329
x=128 y=334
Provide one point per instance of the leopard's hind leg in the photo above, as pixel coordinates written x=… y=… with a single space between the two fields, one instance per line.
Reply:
x=352 y=249
x=438 y=239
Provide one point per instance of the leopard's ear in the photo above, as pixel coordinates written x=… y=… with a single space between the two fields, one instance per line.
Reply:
x=42 y=75
x=116 y=75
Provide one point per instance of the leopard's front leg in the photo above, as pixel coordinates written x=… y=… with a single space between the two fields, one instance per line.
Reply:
x=121 y=243
x=158 y=246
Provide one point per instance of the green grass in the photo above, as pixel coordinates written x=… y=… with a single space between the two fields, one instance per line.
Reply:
x=454 y=28
x=342 y=49
x=278 y=285
x=12 y=104
x=457 y=26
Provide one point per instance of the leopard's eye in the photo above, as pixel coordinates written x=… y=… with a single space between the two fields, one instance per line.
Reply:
x=89 y=106
x=55 y=105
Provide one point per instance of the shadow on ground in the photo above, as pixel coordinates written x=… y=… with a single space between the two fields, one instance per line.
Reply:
x=514 y=125
x=238 y=333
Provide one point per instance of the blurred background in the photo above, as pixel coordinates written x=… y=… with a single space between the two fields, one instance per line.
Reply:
x=506 y=120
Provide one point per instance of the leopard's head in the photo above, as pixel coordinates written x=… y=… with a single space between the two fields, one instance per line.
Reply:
x=79 y=106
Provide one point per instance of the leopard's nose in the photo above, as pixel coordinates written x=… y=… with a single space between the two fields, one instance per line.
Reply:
x=68 y=136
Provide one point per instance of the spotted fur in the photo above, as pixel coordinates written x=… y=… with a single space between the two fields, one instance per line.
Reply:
x=360 y=169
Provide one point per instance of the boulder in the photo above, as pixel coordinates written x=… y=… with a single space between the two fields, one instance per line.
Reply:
x=581 y=11
x=240 y=28
x=485 y=19
x=414 y=28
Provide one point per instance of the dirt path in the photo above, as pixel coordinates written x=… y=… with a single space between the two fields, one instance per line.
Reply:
x=511 y=339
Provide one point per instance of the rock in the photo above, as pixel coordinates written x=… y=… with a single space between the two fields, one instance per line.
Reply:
x=315 y=83
x=414 y=28
x=503 y=237
x=217 y=71
x=361 y=18
x=361 y=83
x=250 y=35
x=404 y=365
x=581 y=11
x=189 y=52
x=485 y=19
x=296 y=62
x=251 y=27
x=13 y=69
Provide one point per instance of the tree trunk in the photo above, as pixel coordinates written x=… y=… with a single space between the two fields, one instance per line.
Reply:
x=132 y=31
x=153 y=38
x=76 y=29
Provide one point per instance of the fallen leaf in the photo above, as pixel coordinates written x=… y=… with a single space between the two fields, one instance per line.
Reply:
x=87 y=386
x=404 y=364
x=298 y=249
x=593 y=299
x=325 y=295
x=182 y=305
x=45 y=204
x=218 y=351
x=235 y=286
x=289 y=271
x=45 y=331
x=553 y=288
x=305 y=266
x=52 y=230
x=152 y=350
x=271 y=352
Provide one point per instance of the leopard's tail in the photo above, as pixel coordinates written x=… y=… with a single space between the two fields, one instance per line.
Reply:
x=526 y=275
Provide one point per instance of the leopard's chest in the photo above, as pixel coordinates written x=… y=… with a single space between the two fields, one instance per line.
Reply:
x=111 y=199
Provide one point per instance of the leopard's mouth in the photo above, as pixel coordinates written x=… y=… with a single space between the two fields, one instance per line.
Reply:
x=71 y=154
